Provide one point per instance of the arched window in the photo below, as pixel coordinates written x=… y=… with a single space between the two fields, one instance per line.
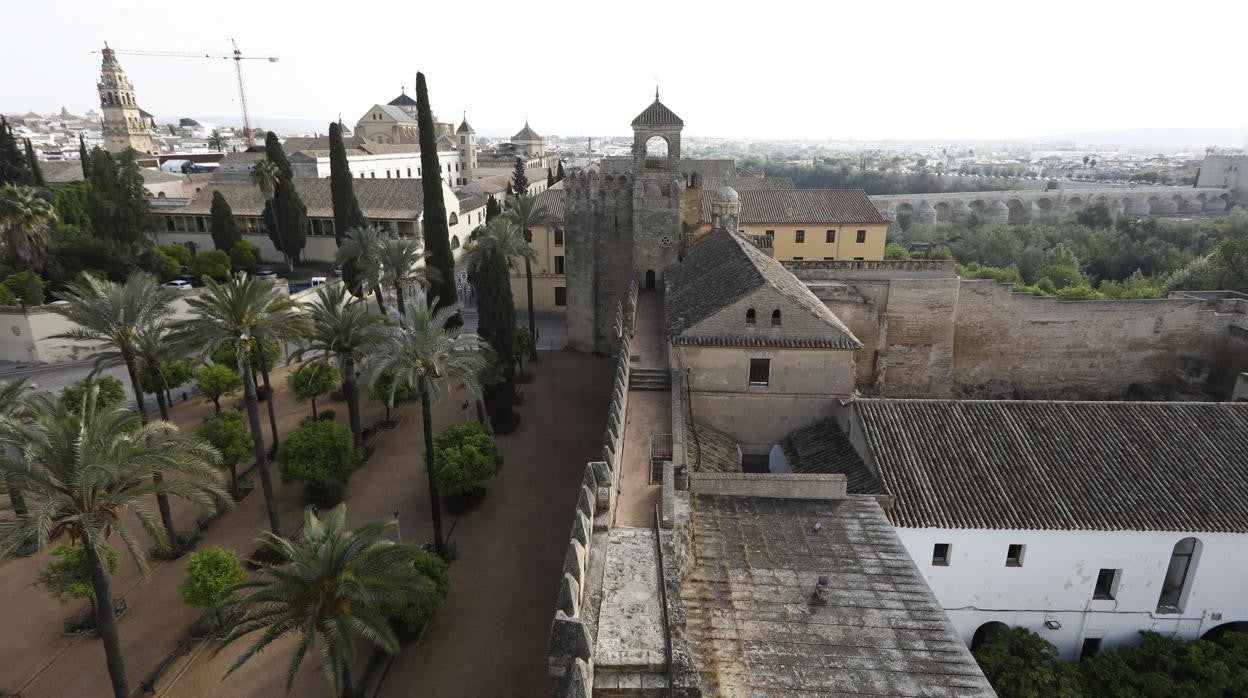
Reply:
x=775 y=318
x=454 y=242
x=454 y=219
x=1177 y=584
x=749 y=316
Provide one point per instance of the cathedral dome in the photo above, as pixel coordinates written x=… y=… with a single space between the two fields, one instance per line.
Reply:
x=725 y=195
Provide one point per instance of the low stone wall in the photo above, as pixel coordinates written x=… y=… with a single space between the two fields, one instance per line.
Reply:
x=573 y=631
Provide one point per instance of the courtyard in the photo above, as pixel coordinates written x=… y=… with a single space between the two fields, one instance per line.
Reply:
x=490 y=636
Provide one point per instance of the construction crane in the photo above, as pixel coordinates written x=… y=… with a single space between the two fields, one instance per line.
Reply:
x=238 y=58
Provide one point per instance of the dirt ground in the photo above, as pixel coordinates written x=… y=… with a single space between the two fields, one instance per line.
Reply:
x=489 y=638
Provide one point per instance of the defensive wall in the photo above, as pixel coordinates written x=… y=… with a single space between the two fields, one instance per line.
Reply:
x=1017 y=206
x=929 y=333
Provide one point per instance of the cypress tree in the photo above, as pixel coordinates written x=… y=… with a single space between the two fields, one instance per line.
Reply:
x=492 y=208
x=550 y=178
x=225 y=232
x=519 y=181
x=559 y=172
x=84 y=159
x=36 y=175
x=119 y=204
x=347 y=214
x=496 y=311
x=437 y=230
x=13 y=166
x=292 y=215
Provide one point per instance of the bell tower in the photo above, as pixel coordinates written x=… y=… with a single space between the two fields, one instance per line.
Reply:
x=658 y=192
x=124 y=127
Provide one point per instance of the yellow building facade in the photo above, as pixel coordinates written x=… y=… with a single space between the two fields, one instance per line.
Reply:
x=823 y=241
x=815 y=224
x=550 y=285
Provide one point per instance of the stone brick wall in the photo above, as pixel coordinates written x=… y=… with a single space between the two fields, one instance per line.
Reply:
x=930 y=334
x=599 y=250
x=777 y=486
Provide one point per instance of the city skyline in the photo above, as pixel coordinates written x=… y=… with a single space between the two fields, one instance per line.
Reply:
x=1067 y=70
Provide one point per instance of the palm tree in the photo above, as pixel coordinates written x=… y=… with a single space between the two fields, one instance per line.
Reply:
x=526 y=215
x=12 y=406
x=216 y=141
x=402 y=267
x=114 y=316
x=155 y=353
x=25 y=218
x=85 y=474
x=420 y=355
x=237 y=313
x=344 y=329
x=361 y=246
x=265 y=174
x=338 y=585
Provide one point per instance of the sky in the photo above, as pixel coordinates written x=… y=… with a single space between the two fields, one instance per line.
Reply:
x=773 y=70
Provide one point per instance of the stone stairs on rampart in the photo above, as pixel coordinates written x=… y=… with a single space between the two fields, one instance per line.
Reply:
x=649 y=379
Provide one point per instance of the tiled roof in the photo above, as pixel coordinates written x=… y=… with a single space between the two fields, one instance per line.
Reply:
x=710 y=450
x=402 y=100
x=657 y=114
x=723 y=268
x=745 y=183
x=753 y=631
x=469 y=201
x=494 y=185
x=808 y=206
x=380 y=199
x=823 y=448
x=1139 y=466
x=526 y=134
x=465 y=127
x=396 y=113
x=553 y=201
x=61 y=171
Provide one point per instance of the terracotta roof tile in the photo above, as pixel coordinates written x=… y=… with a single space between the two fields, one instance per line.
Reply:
x=808 y=206
x=1016 y=464
x=657 y=114
x=823 y=448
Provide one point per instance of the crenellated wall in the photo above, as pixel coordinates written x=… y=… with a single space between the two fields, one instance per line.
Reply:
x=573 y=631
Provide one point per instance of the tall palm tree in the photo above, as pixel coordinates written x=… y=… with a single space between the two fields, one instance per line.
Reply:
x=114 y=316
x=265 y=174
x=402 y=268
x=216 y=141
x=155 y=353
x=422 y=354
x=235 y=314
x=85 y=474
x=25 y=219
x=526 y=214
x=12 y=406
x=337 y=586
x=344 y=329
x=361 y=246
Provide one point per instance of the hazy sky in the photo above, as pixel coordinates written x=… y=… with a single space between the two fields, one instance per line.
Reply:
x=760 y=69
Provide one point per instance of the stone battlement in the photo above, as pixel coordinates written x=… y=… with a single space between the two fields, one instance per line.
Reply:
x=880 y=265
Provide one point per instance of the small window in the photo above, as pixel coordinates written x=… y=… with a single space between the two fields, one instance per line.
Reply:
x=771 y=232
x=862 y=236
x=559 y=264
x=387 y=174
x=749 y=316
x=760 y=371
x=798 y=259
x=859 y=259
x=558 y=237
x=1014 y=555
x=775 y=318
x=1091 y=646
x=1106 y=584
x=799 y=237
x=829 y=259
x=561 y=295
x=831 y=236
x=940 y=554
x=409 y=172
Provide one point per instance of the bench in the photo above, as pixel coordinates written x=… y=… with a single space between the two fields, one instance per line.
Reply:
x=148 y=685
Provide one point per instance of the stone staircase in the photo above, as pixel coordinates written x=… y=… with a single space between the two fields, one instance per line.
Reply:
x=649 y=379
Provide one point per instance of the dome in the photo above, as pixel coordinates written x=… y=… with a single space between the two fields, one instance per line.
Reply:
x=725 y=195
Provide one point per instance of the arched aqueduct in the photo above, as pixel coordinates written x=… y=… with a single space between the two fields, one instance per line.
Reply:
x=1020 y=206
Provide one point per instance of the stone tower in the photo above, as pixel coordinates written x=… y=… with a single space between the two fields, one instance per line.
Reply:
x=623 y=224
x=467 y=150
x=124 y=126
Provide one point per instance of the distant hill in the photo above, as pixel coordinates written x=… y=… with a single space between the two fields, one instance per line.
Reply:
x=282 y=126
x=1191 y=137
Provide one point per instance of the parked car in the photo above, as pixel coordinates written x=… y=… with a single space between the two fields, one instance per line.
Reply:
x=318 y=280
x=266 y=274
x=177 y=284
x=337 y=271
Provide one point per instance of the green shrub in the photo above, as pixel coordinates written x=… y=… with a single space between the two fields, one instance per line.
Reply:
x=318 y=452
x=175 y=372
x=216 y=381
x=312 y=380
x=229 y=435
x=18 y=285
x=213 y=264
x=895 y=250
x=244 y=256
x=407 y=619
x=112 y=393
x=68 y=576
x=380 y=390
x=225 y=356
x=211 y=575
x=465 y=456
x=7 y=297
x=178 y=253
